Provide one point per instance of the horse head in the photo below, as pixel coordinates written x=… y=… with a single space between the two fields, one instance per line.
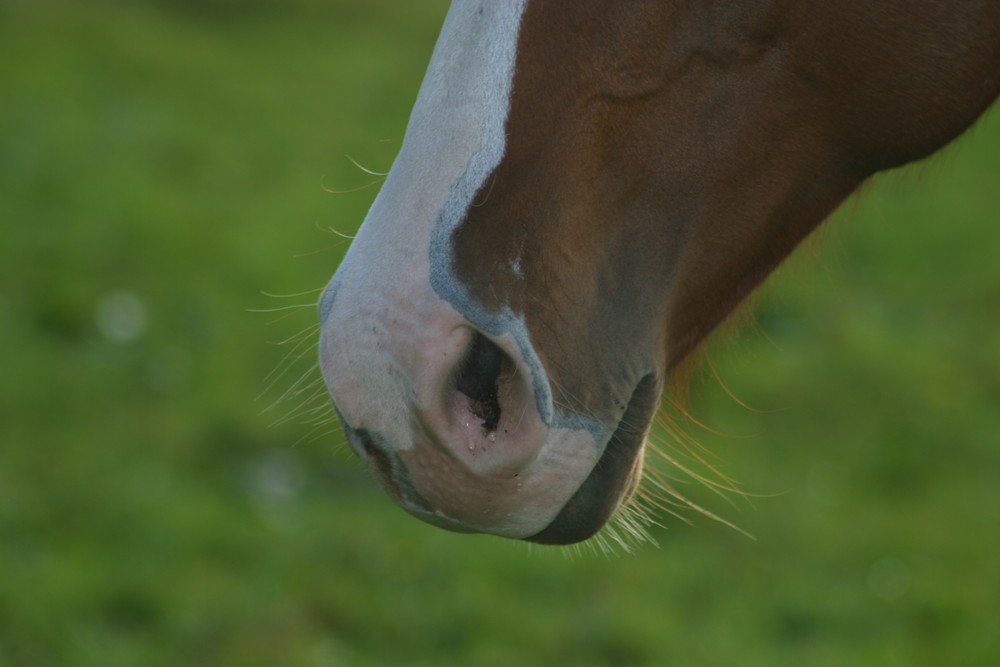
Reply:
x=584 y=192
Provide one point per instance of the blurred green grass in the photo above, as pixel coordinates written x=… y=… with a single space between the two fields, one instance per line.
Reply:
x=163 y=164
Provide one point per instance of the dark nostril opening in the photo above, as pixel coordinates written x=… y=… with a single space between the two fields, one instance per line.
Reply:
x=479 y=379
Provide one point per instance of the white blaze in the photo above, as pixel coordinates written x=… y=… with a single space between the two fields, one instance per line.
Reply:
x=454 y=140
x=390 y=340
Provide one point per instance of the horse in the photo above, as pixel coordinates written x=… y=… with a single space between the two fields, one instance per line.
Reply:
x=584 y=192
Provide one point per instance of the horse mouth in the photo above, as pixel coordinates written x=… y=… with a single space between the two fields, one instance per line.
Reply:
x=614 y=478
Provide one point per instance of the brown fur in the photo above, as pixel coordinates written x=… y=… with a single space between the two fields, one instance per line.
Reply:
x=664 y=157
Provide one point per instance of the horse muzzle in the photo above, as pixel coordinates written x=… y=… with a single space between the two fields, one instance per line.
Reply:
x=459 y=427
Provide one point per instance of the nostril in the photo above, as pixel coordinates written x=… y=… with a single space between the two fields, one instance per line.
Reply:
x=479 y=379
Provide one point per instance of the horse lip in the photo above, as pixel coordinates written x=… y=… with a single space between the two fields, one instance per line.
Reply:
x=614 y=477
x=394 y=478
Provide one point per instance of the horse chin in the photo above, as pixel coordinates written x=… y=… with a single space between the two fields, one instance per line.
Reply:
x=614 y=479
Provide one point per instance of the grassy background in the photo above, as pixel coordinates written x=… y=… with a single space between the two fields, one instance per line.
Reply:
x=163 y=164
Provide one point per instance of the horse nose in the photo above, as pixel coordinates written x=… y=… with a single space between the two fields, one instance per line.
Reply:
x=476 y=406
x=478 y=380
x=483 y=376
x=446 y=415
